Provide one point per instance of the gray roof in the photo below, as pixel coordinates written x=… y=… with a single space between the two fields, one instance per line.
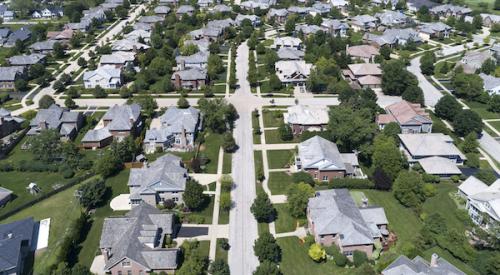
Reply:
x=322 y=7
x=151 y=19
x=96 y=135
x=185 y=9
x=419 y=266
x=54 y=116
x=221 y=24
x=47 y=45
x=322 y=154
x=334 y=212
x=22 y=60
x=136 y=236
x=364 y=19
x=221 y=8
x=277 y=12
x=22 y=34
x=430 y=144
x=393 y=36
x=163 y=175
x=285 y=53
x=334 y=24
x=107 y=72
x=308 y=29
x=450 y=8
x=490 y=82
x=434 y=27
x=10 y=73
x=4 y=32
x=390 y=18
x=420 y=3
x=299 y=10
x=122 y=117
x=4 y=193
x=439 y=166
x=190 y=74
x=11 y=237
x=179 y=119
x=162 y=10
x=208 y=32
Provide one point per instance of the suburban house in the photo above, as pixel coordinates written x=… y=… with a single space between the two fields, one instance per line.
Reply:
x=56 y=118
x=294 y=72
x=117 y=123
x=482 y=201
x=306 y=118
x=439 y=166
x=162 y=180
x=393 y=37
x=27 y=60
x=279 y=15
x=221 y=8
x=491 y=84
x=254 y=4
x=363 y=23
x=438 y=30
x=43 y=47
x=5 y=195
x=138 y=35
x=308 y=29
x=82 y=26
x=410 y=117
x=178 y=130
x=8 y=123
x=419 y=266
x=321 y=158
x=117 y=59
x=335 y=219
x=162 y=10
x=132 y=244
x=18 y=242
x=184 y=10
x=367 y=53
x=198 y=60
x=415 y=5
x=335 y=27
x=363 y=75
x=47 y=13
x=495 y=51
x=190 y=78
x=128 y=46
x=290 y=54
x=107 y=77
x=447 y=10
x=21 y=34
x=151 y=19
x=202 y=44
x=393 y=19
x=254 y=19
x=210 y=33
x=419 y=146
x=287 y=42
x=341 y=5
x=473 y=61
x=9 y=75
x=300 y=11
x=5 y=13
x=490 y=19
x=204 y=3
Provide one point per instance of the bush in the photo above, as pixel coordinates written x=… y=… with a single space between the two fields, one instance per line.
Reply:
x=351 y=183
x=317 y=253
x=472 y=160
x=169 y=204
x=455 y=178
x=303 y=177
x=226 y=182
x=430 y=190
x=224 y=244
x=359 y=258
x=430 y=178
x=67 y=173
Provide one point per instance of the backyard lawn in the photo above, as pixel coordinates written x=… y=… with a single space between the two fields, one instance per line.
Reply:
x=273 y=137
x=279 y=158
x=203 y=215
x=284 y=222
x=272 y=118
x=279 y=182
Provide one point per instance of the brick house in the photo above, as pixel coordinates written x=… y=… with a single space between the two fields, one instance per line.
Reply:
x=306 y=118
x=410 y=117
x=190 y=78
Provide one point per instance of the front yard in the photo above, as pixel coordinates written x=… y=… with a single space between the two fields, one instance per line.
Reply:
x=279 y=182
x=279 y=159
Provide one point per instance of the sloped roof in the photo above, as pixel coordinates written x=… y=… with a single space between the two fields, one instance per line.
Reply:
x=11 y=237
x=365 y=69
x=430 y=144
x=96 y=135
x=322 y=154
x=439 y=166
x=122 y=117
x=179 y=119
x=21 y=60
x=190 y=74
x=407 y=113
x=419 y=266
x=106 y=72
x=10 y=73
x=363 y=51
x=490 y=82
x=306 y=115
x=334 y=24
x=51 y=116
x=472 y=185
x=285 y=53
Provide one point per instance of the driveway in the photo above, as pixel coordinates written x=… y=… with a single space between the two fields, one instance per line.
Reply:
x=191 y=232
x=431 y=93
x=120 y=203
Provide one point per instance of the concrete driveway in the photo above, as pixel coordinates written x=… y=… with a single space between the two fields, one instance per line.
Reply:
x=97 y=266
x=120 y=203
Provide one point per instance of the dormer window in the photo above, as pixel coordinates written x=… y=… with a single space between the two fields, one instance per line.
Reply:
x=125 y=263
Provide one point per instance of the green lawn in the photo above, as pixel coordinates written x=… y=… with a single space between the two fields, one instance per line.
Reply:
x=284 y=222
x=219 y=252
x=223 y=214
x=296 y=261
x=272 y=118
x=257 y=156
x=117 y=185
x=482 y=110
x=227 y=163
x=263 y=227
x=279 y=158
x=211 y=149
x=273 y=137
x=279 y=182
x=202 y=216
x=495 y=124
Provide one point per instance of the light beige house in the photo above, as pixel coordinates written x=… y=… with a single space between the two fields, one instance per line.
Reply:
x=410 y=117
x=365 y=75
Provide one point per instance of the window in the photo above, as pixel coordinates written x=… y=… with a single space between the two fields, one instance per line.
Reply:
x=316 y=175
x=325 y=178
x=126 y=263
x=348 y=253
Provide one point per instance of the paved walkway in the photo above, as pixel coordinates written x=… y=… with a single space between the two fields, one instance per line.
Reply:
x=205 y=179
x=215 y=216
x=277 y=146
x=300 y=232
x=97 y=266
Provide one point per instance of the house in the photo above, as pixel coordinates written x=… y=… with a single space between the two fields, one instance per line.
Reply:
x=323 y=161
x=287 y=42
x=367 y=53
x=162 y=180
x=142 y=26
x=5 y=13
x=169 y=2
x=43 y=47
x=306 y=118
x=341 y=5
x=334 y=219
x=22 y=34
x=221 y=8
x=209 y=33
x=202 y=44
x=254 y=19
x=483 y=201
x=107 y=77
x=300 y=11
x=178 y=130
x=438 y=30
x=9 y=75
x=495 y=52
x=8 y=123
x=335 y=27
x=439 y=166
x=117 y=59
x=126 y=45
x=4 y=35
x=294 y=72
x=162 y=10
x=447 y=10
x=384 y=3
x=133 y=244
x=419 y=266
x=415 y=5
x=320 y=8
x=5 y=195
x=82 y=26
x=198 y=60
x=410 y=117
x=63 y=36
x=490 y=19
x=151 y=19
x=363 y=75
x=393 y=37
x=393 y=19
x=473 y=61
x=363 y=23
x=138 y=36
x=47 y=13
x=221 y=24
x=279 y=15
x=17 y=242
x=204 y=3
x=255 y=4
x=491 y=84
x=27 y=60
x=308 y=29
x=419 y=146
x=56 y=118
x=290 y=54
x=189 y=78
x=184 y=10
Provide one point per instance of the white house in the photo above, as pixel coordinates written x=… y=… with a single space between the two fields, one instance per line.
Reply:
x=482 y=201
x=293 y=72
x=107 y=77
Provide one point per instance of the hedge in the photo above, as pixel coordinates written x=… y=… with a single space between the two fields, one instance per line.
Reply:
x=351 y=183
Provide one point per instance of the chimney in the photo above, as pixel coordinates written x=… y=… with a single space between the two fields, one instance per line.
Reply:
x=177 y=81
x=434 y=260
x=364 y=202
x=43 y=125
x=183 y=138
x=182 y=65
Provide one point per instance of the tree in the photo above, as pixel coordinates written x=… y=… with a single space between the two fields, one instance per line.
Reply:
x=148 y=105
x=392 y=129
x=46 y=146
x=219 y=267
x=266 y=248
x=303 y=177
x=82 y=62
x=467 y=86
x=58 y=50
x=285 y=132
x=396 y=79
x=92 y=193
x=219 y=116
x=121 y=11
x=45 y=102
x=489 y=66
x=470 y=143
x=494 y=103
x=349 y=128
x=183 y=103
x=485 y=175
x=381 y=179
x=359 y=258
x=413 y=94
x=193 y=196
x=108 y=164
x=262 y=208
x=275 y=82
x=387 y=156
x=267 y=268
x=298 y=196
x=496 y=6
x=466 y=122
x=423 y=14
x=59 y=86
x=316 y=252
x=229 y=144
x=99 y=92
x=225 y=201
x=214 y=66
x=385 y=52
x=447 y=107
x=427 y=63
x=69 y=103
x=407 y=189
x=21 y=84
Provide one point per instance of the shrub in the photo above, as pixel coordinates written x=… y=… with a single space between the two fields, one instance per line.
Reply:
x=317 y=253
x=67 y=173
x=430 y=178
x=359 y=258
x=226 y=182
x=169 y=204
x=429 y=190
x=351 y=183
x=224 y=244
x=455 y=178
x=303 y=177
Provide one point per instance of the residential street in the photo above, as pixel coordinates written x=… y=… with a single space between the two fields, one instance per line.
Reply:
x=431 y=93
x=490 y=145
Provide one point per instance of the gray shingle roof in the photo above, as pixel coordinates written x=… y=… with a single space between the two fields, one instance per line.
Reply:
x=419 y=266
x=432 y=144
x=122 y=117
x=47 y=45
x=179 y=119
x=190 y=74
x=185 y=9
x=4 y=192
x=96 y=135
x=322 y=154
x=10 y=73
x=11 y=237
x=22 y=60
x=197 y=58
x=131 y=235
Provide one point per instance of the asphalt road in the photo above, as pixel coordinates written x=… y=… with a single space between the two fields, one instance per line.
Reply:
x=431 y=93
x=490 y=145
